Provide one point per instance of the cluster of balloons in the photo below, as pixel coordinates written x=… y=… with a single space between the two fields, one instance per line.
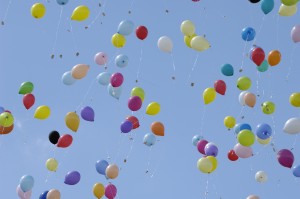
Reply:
x=110 y=171
x=110 y=190
x=26 y=89
x=287 y=7
x=6 y=121
x=50 y=194
x=78 y=71
x=24 y=189
x=62 y=141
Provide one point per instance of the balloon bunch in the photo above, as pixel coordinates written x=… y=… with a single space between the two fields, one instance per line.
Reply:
x=62 y=141
x=287 y=7
x=6 y=121
x=125 y=28
x=51 y=194
x=24 y=189
x=26 y=89
x=110 y=171
x=78 y=71
x=110 y=191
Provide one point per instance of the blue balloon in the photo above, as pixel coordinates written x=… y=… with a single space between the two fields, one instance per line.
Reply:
x=248 y=34
x=114 y=91
x=44 y=195
x=62 y=2
x=196 y=139
x=149 y=139
x=67 y=78
x=26 y=183
x=121 y=60
x=267 y=6
x=263 y=67
x=1 y=109
x=263 y=131
x=126 y=126
x=296 y=171
x=241 y=126
x=101 y=166
x=227 y=70
x=104 y=78
x=125 y=27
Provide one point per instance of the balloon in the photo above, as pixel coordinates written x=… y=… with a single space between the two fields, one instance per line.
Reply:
x=125 y=27
x=22 y=194
x=261 y=176
x=126 y=126
x=250 y=99
x=292 y=126
x=158 y=128
x=72 y=121
x=242 y=151
x=110 y=191
x=38 y=10
x=26 y=183
x=42 y=112
x=246 y=137
x=26 y=87
x=112 y=171
x=121 y=60
x=227 y=70
x=285 y=157
x=44 y=195
x=187 y=28
x=80 y=13
x=258 y=55
x=252 y=197
x=287 y=10
x=295 y=99
x=149 y=139
x=116 y=79
x=62 y=2
x=263 y=131
x=214 y=162
x=72 y=178
x=209 y=95
x=295 y=33
x=153 y=108
x=52 y=164
x=188 y=39
x=53 y=194
x=54 y=137
x=248 y=34
x=101 y=58
x=65 y=141
x=134 y=103
x=268 y=107
x=289 y=2
x=79 y=71
x=98 y=190
x=229 y=122
x=165 y=44
x=201 y=146
x=118 y=40
x=104 y=78
x=232 y=156
x=67 y=78
x=296 y=171
x=205 y=165
x=141 y=32
x=28 y=100
x=101 y=166
x=6 y=119
x=114 y=91
x=220 y=87
x=199 y=43
x=274 y=57
x=196 y=139
x=263 y=67
x=244 y=83
x=87 y=113
x=134 y=120
x=6 y=130
x=242 y=97
x=211 y=149
x=241 y=126
x=267 y=6
x=254 y=1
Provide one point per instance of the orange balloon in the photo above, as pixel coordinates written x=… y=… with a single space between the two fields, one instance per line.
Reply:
x=274 y=57
x=6 y=130
x=250 y=99
x=79 y=71
x=158 y=128
x=112 y=171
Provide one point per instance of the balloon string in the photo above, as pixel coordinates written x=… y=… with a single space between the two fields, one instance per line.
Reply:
x=121 y=140
x=202 y=120
x=269 y=85
x=140 y=63
x=73 y=39
x=6 y=12
x=158 y=164
x=244 y=55
x=130 y=8
x=206 y=188
x=257 y=83
x=294 y=143
x=97 y=16
x=291 y=63
x=259 y=30
x=149 y=158
x=57 y=30
x=277 y=31
x=86 y=94
x=193 y=68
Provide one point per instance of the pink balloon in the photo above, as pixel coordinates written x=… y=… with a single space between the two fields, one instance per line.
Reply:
x=295 y=33
x=242 y=151
x=201 y=146
x=110 y=191
x=22 y=194
x=116 y=79
x=101 y=58
x=134 y=103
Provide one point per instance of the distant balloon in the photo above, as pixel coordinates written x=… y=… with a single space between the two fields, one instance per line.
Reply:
x=134 y=120
x=51 y=164
x=248 y=34
x=44 y=195
x=295 y=33
x=220 y=87
x=205 y=165
x=246 y=137
x=287 y=10
x=67 y=78
x=116 y=79
x=244 y=83
x=200 y=43
x=53 y=194
x=261 y=176
x=135 y=103
x=268 y=107
x=250 y=99
x=65 y=141
x=241 y=126
x=101 y=166
x=138 y=91
x=104 y=78
x=187 y=28
x=62 y=2
x=80 y=13
x=196 y=139
x=118 y=40
x=26 y=87
x=296 y=171
x=229 y=122
x=101 y=58
x=126 y=126
x=188 y=39
x=263 y=67
x=211 y=149
x=267 y=6
x=289 y=2
x=141 y=32
x=165 y=44
x=88 y=114
x=242 y=97
x=72 y=178
x=22 y=194
x=292 y=126
x=114 y=91
x=149 y=139
x=243 y=151
x=209 y=95
x=201 y=146
x=153 y=108
x=38 y=10
x=158 y=128
x=26 y=183
x=125 y=27
x=42 y=112
x=121 y=60
x=72 y=121
x=6 y=119
x=110 y=191
x=6 y=130
x=79 y=71
x=295 y=99
x=54 y=137
x=257 y=55
x=98 y=190
x=285 y=157
x=227 y=70
x=112 y=171
x=28 y=100
x=232 y=156
x=274 y=57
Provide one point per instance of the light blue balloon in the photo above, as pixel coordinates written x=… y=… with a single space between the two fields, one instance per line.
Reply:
x=263 y=67
x=267 y=6
x=114 y=91
x=104 y=78
x=196 y=139
x=241 y=126
x=101 y=166
x=1 y=109
x=67 y=78
x=263 y=131
x=296 y=171
x=149 y=139
x=121 y=60
x=248 y=34
x=62 y=2
x=125 y=27
x=26 y=183
x=227 y=70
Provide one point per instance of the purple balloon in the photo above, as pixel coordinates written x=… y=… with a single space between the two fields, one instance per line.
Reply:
x=201 y=145
x=72 y=178
x=285 y=157
x=87 y=113
x=126 y=126
x=110 y=191
x=295 y=33
x=116 y=79
x=134 y=103
x=211 y=149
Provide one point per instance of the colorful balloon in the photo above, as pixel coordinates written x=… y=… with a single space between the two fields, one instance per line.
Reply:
x=6 y=119
x=149 y=139
x=101 y=166
x=26 y=183
x=241 y=126
x=274 y=57
x=246 y=137
x=242 y=97
x=126 y=126
x=295 y=33
x=141 y=32
x=53 y=194
x=101 y=58
x=42 y=112
x=22 y=194
x=264 y=142
x=38 y=10
x=196 y=139
x=112 y=171
x=165 y=44
x=296 y=171
x=188 y=39
x=295 y=99
x=261 y=176
x=211 y=149
x=244 y=83
x=263 y=131
x=285 y=157
x=54 y=137
x=227 y=70
x=135 y=103
x=26 y=87
x=248 y=34
x=138 y=91
x=267 y=6
x=287 y=10
x=88 y=114
x=187 y=28
x=98 y=190
x=125 y=27
x=242 y=151
x=114 y=91
x=292 y=126
x=67 y=78
x=205 y=165
x=201 y=146
x=104 y=78
x=232 y=156
x=79 y=71
x=118 y=40
x=252 y=197
x=134 y=120
x=80 y=13
x=121 y=60
x=44 y=195
x=250 y=99
x=220 y=87
x=158 y=128
x=116 y=79
x=263 y=67
x=65 y=141
x=209 y=95
x=110 y=191
x=153 y=108
x=51 y=164
x=72 y=178
x=268 y=107
x=199 y=43
x=289 y=2
x=28 y=100
x=6 y=130
x=72 y=121
x=229 y=122
x=257 y=55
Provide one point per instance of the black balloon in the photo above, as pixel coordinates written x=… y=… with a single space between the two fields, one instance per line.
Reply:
x=254 y=1
x=53 y=137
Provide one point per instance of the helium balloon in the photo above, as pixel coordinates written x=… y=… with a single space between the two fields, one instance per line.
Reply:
x=252 y=197
x=28 y=100
x=211 y=149
x=248 y=34
x=101 y=58
x=42 y=112
x=274 y=57
x=72 y=121
x=80 y=13
x=289 y=2
x=295 y=99
x=268 y=107
x=26 y=87
x=199 y=43
x=257 y=55
x=261 y=176
x=244 y=83
x=214 y=162
x=250 y=99
x=264 y=142
x=254 y=1
x=149 y=139
x=62 y=2
x=204 y=165
x=134 y=120
x=88 y=114
x=38 y=10
x=110 y=191
x=112 y=171
x=54 y=137
x=6 y=130
x=141 y=32
x=246 y=137
x=241 y=126
x=263 y=67
x=104 y=78
x=285 y=157
x=26 y=183
x=292 y=126
x=232 y=156
x=153 y=108
x=201 y=146
x=67 y=78
x=188 y=39
x=196 y=139
x=220 y=87
x=101 y=166
x=114 y=91
x=52 y=164
x=65 y=141
x=158 y=128
x=287 y=10
x=165 y=44
x=79 y=71
x=6 y=119
x=44 y=195
x=134 y=103
x=267 y=6
x=295 y=33
x=138 y=91
x=98 y=190
x=72 y=178
x=125 y=27
x=227 y=70
x=296 y=171
x=126 y=126
x=263 y=131
x=116 y=79
x=53 y=194
x=229 y=122
x=187 y=28
x=22 y=194
x=121 y=60
x=118 y=40
x=209 y=95
x=242 y=151
x=242 y=97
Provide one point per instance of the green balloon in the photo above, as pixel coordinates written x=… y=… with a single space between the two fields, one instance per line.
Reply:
x=6 y=119
x=244 y=83
x=268 y=107
x=26 y=87
x=289 y=2
x=246 y=137
x=263 y=67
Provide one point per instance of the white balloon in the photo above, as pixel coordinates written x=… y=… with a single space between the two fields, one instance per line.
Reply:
x=261 y=176
x=165 y=44
x=252 y=197
x=242 y=97
x=292 y=126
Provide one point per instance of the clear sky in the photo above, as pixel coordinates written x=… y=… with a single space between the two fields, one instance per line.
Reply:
x=169 y=168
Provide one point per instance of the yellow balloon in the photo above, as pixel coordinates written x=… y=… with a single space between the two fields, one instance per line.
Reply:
x=264 y=142
x=153 y=108
x=38 y=10
x=209 y=95
x=199 y=43
x=51 y=164
x=98 y=190
x=137 y=91
x=214 y=162
x=205 y=165
x=187 y=28
x=42 y=112
x=80 y=13
x=287 y=10
x=229 y=122
x=118 y=40
x=72 y=121
x=187 y=40
x=79 y=71
x=244 y=83
x=268 y=107
x=246 y=137
x=295 y=99
x=6 y=120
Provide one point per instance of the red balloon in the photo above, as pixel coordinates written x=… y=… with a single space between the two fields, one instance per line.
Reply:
x=141 y=32
x=28 y=100
x=6 y=130
x=220 y=87
x=64 y=141
x=134 y=121
x=258 y=56
x=232 y=155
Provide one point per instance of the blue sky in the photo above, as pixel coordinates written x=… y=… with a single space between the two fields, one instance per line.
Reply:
x=26 y=45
